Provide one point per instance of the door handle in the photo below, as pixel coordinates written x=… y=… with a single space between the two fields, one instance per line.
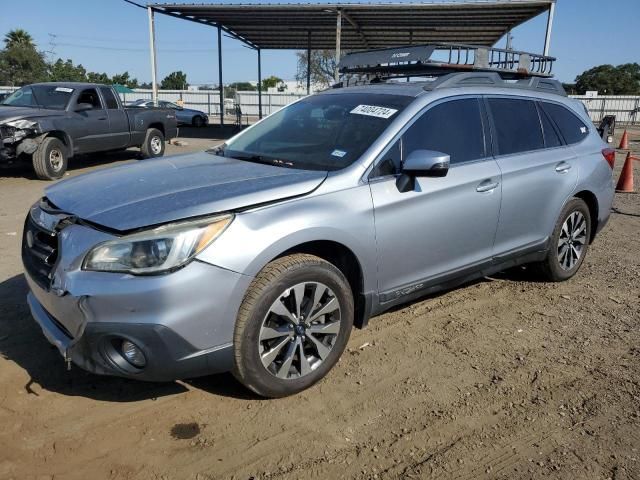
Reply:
x=486 y=186
x=102 y=118
x=563 y=167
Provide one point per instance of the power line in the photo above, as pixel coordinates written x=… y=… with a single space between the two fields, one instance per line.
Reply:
x=124 y=49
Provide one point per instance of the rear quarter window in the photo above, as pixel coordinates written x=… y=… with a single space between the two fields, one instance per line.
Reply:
x=571 y=127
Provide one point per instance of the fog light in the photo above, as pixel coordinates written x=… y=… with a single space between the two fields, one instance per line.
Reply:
x=133 y=354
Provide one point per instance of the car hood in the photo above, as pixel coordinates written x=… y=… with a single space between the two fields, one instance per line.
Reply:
x=161 y=190
x=8 y=113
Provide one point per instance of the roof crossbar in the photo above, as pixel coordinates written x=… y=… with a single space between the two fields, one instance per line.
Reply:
x=443 y=58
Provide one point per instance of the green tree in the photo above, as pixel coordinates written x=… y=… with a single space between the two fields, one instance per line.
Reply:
x=243 y=86
x=95 y=77
x=609 y=80
x=124 y=79
x=231 y=89
x=323 y=67
x=175 y=81
x=18 y=37
x=66 y=71
x=21 y=64
x=271 y=82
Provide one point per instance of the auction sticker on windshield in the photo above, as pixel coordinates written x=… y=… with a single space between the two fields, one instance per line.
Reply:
x=64 y=89
x=374 y=111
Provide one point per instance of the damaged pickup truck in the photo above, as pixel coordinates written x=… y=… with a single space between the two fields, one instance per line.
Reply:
x=48 y=123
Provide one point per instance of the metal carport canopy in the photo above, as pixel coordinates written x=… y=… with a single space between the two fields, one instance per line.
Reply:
x=364 y=25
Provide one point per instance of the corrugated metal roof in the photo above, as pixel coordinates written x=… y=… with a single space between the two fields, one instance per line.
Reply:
x=364 y=25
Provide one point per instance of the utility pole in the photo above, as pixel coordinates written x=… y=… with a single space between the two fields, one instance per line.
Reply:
x=152 y=47
x=338 y=39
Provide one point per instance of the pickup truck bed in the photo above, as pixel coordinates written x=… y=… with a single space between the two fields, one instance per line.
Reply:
x=49 y=123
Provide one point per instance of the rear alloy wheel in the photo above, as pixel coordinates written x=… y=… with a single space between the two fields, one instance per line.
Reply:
x=50 y=159
x=569 y=242
x=293 y=325
x=573 y=238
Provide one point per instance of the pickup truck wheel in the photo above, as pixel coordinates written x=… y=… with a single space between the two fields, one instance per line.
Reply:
x=293 y=325
x=153 y=145
x=197 y=121
x=50 y=159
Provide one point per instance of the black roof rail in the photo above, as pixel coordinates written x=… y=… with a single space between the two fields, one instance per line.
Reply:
x=443 y=58
x=494 y=79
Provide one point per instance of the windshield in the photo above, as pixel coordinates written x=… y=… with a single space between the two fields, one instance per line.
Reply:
x=43 y=96
x=322 y=132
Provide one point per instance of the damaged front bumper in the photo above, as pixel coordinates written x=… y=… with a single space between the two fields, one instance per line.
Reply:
x=17 y=138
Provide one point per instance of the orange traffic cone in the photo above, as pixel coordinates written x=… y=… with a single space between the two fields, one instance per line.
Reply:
x=624 y=142
x=625 y=182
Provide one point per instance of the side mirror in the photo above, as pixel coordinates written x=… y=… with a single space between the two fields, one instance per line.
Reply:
x=83 y=107
x=422 y=163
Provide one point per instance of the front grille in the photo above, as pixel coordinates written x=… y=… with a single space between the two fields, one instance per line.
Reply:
x=39 y=252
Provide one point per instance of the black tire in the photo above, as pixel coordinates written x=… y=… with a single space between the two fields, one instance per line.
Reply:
x=275 y=279
x=153 y=145
x=197 y=121
x=50 y=159
x=551 y=268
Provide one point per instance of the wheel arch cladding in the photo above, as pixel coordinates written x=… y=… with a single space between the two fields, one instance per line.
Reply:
x=592 y=203
x=64 y=138
x=344 y=260
x=157 y=126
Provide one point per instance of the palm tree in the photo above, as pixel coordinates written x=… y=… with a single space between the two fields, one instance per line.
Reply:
x=18 y=37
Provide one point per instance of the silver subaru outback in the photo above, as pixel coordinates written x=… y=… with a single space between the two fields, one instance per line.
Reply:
x=260 y=256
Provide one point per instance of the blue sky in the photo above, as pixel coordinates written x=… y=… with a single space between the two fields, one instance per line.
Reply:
x=112 y=36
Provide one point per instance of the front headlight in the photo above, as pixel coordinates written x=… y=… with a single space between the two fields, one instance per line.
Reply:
x=158 y=250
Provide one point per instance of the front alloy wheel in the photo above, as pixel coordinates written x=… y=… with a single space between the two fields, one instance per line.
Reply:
x=292 y=326
x=299 y=330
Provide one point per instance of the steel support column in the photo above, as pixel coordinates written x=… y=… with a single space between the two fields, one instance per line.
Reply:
x=152 y=49
x=338 y=39
x=259 y=84
x=308 y=62
x=547 y=38
x=220 y=85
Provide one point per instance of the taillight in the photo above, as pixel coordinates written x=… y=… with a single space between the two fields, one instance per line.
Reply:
x=609 y=155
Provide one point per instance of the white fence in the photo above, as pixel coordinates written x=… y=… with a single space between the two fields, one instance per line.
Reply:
x=271 y=102
x=206 y=100
x=625 y=108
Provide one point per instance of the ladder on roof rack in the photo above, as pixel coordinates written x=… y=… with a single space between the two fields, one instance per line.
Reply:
x=443 y=58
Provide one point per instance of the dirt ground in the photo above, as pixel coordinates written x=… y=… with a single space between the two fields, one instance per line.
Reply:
x=503 y=378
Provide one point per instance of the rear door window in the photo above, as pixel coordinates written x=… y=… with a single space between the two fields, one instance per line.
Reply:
x=109 y=98
x=571 y=127
x=453 y=127
x=517 y=125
